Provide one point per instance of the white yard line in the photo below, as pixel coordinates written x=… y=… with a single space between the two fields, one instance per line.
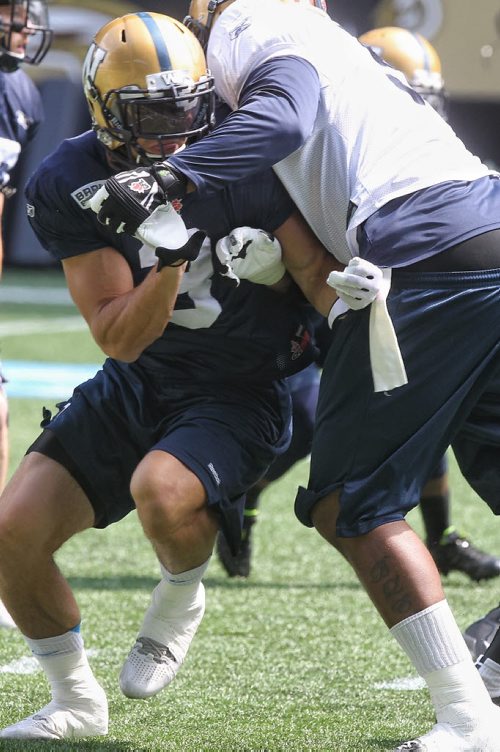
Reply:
x=30 y=665
x=405 y=684
x=18 y=327
x=38 y=295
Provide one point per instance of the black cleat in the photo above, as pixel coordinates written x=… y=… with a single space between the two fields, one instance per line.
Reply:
x=454 y=552
x=239 y=565
x=480 y=634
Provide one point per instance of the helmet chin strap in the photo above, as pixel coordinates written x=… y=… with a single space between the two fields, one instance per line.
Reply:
x=212 y=7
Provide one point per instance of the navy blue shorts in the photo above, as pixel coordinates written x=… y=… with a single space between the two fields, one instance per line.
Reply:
x=379 y=448
x=304 y=388
x=226 y=435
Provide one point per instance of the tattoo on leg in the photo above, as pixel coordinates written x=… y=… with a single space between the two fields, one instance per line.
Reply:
x=392 y=588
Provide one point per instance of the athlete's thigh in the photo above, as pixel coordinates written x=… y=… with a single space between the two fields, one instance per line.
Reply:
x=163 y=479
x=381 y=447
x=42 y=502
x=228 y=442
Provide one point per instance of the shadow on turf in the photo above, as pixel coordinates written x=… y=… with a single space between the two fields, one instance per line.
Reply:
x=96 y=745
x=148 y=583
x=131 y=582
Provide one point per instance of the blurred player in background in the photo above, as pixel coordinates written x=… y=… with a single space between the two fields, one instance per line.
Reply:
x=25 y=37
x=452 y=551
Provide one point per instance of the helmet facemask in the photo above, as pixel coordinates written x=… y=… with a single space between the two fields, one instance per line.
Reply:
x=29 y=18
x=172 y=108
x=430 y=86
x=201 y=17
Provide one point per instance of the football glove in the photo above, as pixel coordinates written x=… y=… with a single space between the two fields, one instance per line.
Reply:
x=127 y=199
x=188 y=252
x=254 y=255
x=359 y=284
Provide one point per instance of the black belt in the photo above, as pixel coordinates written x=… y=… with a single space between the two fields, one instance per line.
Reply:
x=478 y=253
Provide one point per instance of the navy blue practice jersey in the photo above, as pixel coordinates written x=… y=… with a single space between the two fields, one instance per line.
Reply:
x=219 y=331
x=20 y=116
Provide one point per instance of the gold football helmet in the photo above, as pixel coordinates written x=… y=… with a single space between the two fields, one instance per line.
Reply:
x=202 y=14
x=414 y=56
x=146 y=82
x=30 y=20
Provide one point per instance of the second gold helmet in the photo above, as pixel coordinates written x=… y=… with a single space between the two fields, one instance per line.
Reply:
x=414 y=56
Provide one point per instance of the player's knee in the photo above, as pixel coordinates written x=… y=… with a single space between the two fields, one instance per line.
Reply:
x=324 y=518
x=13 y=534
x=160 y=496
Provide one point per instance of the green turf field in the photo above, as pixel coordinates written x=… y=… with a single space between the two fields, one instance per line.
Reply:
x=295 y=658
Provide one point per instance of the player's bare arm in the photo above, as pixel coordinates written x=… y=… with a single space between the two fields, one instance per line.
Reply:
x=308 y=262
x=123 y=319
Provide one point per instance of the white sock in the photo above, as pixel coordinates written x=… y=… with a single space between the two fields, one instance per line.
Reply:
x=490 y=674
x=434 y=644
x=190 y=576
x=65 y=664
x=175 y=598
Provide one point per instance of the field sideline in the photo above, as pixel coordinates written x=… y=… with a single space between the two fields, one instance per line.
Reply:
x=294 y=659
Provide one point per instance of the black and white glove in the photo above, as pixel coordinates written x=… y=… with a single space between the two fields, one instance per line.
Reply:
x=254 y=255
x=359 y=284
x=188 y=252
x=127 y=199
x=165 y=231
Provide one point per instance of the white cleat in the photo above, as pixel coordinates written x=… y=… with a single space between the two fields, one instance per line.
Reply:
x=445 y=738
x=151 y=665
x=81 y=718
x=6 y=619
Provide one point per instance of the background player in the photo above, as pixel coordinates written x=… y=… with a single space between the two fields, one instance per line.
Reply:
x=25 y=37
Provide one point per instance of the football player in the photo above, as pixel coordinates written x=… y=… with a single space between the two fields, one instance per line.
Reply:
x=411 y=53
x=418 y=60
x=189 y=408
x=416 y=57
x=25 y=37
x=377 y=173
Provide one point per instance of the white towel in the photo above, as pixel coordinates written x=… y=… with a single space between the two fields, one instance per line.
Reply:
x=387 y=365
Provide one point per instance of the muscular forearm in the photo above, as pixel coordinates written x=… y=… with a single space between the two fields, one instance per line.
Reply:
x=125 y=325
x=124 y=319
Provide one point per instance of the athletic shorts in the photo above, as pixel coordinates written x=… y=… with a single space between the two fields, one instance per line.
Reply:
x=379 y=448
x=226 y=435
x=304 y=388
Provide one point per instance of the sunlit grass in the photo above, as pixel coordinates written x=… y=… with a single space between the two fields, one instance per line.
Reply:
x=292 y=659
